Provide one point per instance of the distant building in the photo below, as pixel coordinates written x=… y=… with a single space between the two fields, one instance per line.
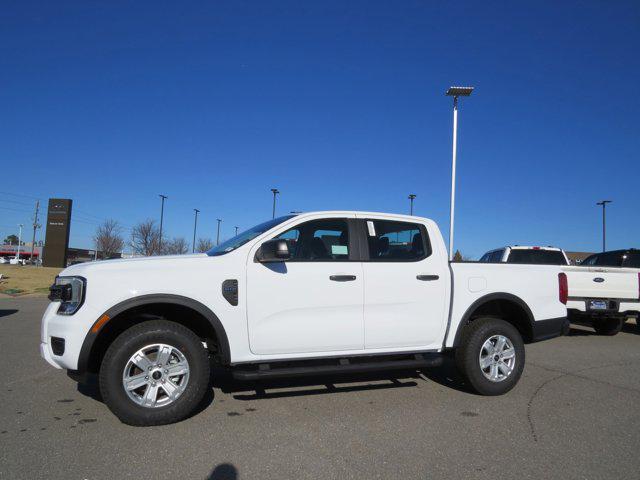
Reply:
x=25 y=251
x=74 y=255
x=576 y=258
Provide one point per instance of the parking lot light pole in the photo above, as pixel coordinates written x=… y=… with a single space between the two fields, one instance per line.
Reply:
x=19 y=242
x=163 y=197
x=195 y=225
x=454 y=92
x=604 y=223
x=275 y=192
x=218 y=235
x=411 y=198
x=236 y=231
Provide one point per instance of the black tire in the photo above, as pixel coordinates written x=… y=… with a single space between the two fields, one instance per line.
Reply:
x=474 y=336
x=608 y=326
x=128 y=343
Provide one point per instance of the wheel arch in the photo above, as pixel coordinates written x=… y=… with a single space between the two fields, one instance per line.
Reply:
x=506 y=306
x=186 y=311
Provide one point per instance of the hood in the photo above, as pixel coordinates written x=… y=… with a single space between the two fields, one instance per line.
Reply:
x=82 y=269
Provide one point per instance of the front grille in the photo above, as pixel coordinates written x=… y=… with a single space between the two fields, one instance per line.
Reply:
x=57 y=346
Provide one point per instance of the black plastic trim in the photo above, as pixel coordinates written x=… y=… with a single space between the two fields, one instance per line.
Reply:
x=87 y=345
x=549 y=328
x=488 y=298
x=230 y=291
x=264 y=370
x=57 y=346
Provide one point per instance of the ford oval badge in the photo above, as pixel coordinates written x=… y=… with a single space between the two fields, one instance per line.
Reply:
x=598 y=279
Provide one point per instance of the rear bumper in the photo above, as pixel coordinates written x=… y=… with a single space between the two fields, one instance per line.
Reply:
x=550 y=328
x=578 y=306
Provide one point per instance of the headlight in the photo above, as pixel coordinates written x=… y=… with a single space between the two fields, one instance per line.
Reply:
x=69 y=291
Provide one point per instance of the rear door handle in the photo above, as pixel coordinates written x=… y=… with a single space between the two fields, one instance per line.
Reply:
x=342 y=278
x=428 y=278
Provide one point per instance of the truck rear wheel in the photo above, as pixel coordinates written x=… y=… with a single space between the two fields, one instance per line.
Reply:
x=608 y=326
x=154 y=373
x=491 y=356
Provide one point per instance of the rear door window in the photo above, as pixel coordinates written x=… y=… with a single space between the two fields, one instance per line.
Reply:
x=391 y=241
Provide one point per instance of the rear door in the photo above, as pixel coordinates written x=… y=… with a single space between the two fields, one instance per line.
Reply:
x=405 y=290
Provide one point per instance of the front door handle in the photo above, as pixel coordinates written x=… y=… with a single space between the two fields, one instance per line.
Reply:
x=342 y=278
x=428 y=278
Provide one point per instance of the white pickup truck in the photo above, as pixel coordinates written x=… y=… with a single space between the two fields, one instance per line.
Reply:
x=314 y=293
x=604 y=290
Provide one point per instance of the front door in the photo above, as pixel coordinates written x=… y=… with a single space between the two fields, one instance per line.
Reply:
x=406 y=294
x=312 y=302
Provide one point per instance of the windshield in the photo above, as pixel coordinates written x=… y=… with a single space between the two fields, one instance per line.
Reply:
x=246 y=236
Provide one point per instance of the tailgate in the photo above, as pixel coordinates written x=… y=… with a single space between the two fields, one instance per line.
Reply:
x=594 y=282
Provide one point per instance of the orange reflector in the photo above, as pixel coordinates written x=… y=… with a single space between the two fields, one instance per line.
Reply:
x=101 y=321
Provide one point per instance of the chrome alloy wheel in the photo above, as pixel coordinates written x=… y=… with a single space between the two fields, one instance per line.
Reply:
x=497 y=358
x=156 y=375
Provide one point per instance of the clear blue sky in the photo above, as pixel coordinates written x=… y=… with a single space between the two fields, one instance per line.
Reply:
x=340 y=105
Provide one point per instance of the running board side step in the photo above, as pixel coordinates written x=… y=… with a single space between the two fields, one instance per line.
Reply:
x=342 y=365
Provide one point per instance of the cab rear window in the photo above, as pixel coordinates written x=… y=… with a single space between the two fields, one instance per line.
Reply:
x=537 y=257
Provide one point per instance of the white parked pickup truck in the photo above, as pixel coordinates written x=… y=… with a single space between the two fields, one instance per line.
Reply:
x=314 y=293
x=604 y=290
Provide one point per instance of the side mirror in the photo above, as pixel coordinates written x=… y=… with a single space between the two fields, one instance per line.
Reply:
x=276 y=250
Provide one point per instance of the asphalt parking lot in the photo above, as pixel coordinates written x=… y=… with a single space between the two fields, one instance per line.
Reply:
x=574 y=414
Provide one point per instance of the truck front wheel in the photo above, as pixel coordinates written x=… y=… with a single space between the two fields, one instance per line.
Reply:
x=154 y=373
x=491 y=356
x=608 y=326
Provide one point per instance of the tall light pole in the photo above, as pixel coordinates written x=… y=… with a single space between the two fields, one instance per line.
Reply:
x=604 y=223
x=275 y=192
x=19 y=242
x=35 y=227
x=411 y=198
x=454 y=92
x=195 y=225
x=163 y=197
x=236 y=231
x=218 y=235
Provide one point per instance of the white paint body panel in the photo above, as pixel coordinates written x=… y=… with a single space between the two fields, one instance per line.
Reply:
x=297 y=312
x=399 y=309
x=536 y=285
x=619 y=283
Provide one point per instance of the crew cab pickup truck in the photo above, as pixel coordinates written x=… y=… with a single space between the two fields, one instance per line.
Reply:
x=314 y=293
x=603 y=291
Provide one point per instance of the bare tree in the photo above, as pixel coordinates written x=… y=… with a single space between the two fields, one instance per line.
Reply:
x=145 y=238
x=108 y=239
x=175 y=246
x=204 y=245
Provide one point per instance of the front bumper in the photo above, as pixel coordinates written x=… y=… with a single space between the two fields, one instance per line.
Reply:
x=47 y=354
x=72 y=328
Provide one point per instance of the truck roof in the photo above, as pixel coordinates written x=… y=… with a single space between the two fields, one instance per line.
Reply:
x=411 y=218
x=526 y=247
